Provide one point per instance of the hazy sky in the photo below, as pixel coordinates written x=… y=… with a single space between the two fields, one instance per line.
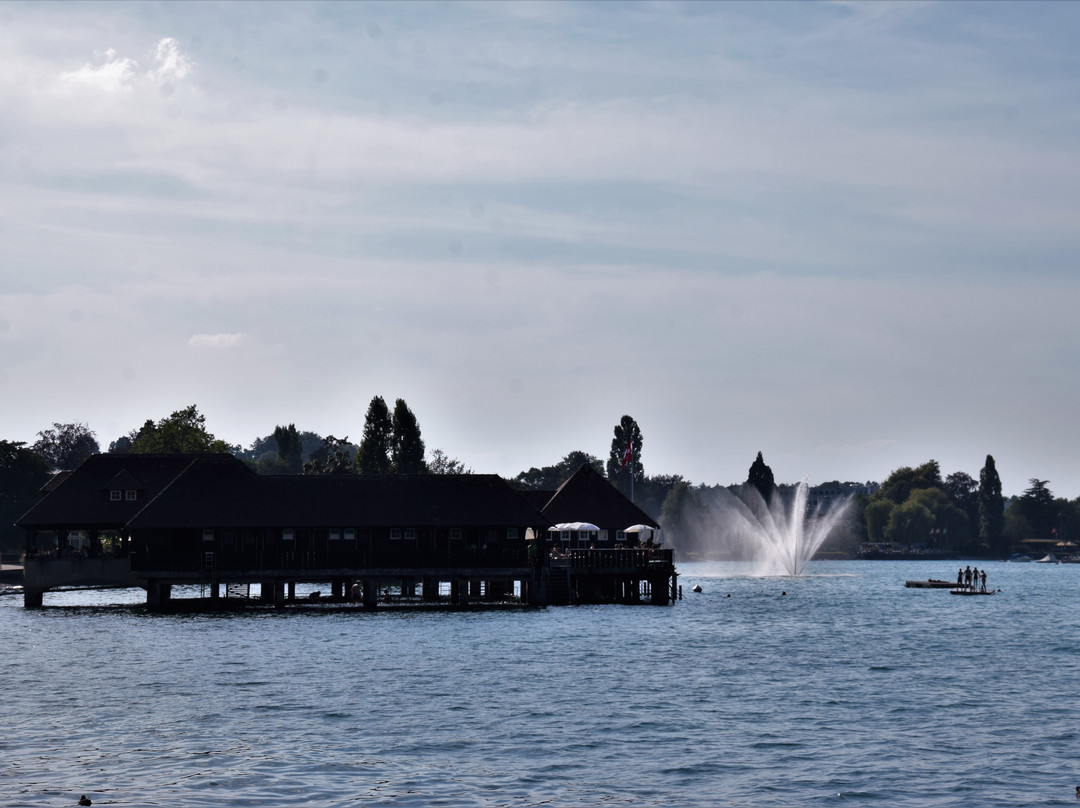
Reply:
x=843 y=234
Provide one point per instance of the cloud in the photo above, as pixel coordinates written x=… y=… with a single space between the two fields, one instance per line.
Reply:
x=115 y=74
x=172 y=64
x=217 y=341
x=112 y=76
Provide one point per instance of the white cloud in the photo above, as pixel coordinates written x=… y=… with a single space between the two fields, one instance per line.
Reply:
x=217 y=340
x=114 y=74
x=172 y=64
x=111 y=76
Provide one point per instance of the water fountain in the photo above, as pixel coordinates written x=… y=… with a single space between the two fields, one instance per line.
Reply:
x=782 y=536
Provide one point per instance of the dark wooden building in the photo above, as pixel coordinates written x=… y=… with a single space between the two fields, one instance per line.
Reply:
x=158 y=521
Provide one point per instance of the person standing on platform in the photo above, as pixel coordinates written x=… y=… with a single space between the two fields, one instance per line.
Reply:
x=984 y=580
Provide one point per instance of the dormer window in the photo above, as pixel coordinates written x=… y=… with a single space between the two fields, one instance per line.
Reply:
x=115 y=495
x=131 y=495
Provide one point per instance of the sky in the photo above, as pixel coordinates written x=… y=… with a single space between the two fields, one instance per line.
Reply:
x=842 y=234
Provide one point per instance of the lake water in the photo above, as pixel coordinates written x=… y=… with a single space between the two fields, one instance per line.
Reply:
x=847 y=690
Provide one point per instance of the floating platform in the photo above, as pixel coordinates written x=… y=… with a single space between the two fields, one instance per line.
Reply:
x=933 y=583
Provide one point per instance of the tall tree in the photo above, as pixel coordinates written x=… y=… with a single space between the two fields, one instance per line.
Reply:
x=407 y=447
x=374 y=454
x=991 y=507
x=289 y=450
x=1037 y=505
x=65 y=446
x=183 y=432
x=620 y=468
x=761 y=478
x=23 y=472
x=963 y=492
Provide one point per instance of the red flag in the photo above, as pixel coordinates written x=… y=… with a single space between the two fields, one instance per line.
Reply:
x=626 y=455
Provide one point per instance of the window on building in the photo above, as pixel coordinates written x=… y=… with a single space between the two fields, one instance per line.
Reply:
x=410 y=534
x=603 y=535
x=455 y=533
x=114 y=495
x=511 y=533
x=288 y=534
x=207 y=534
x=395 y=533
x=620 y=535
x=335 y=534
x=350 y=534
x=131 y=495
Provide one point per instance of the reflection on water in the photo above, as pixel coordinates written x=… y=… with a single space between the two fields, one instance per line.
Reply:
x=837 y=687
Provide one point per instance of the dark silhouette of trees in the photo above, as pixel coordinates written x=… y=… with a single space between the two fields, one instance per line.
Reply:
x=374 y=454
x=183 y=432
x=65 y=446
x=621 y=469
x=991 y=507
x=290 y=452
x=549 y=478
x=1038 y=507
x=406 y=446
x=335 y=456
x=23 y=472
x=442 y=463
x=761 y=478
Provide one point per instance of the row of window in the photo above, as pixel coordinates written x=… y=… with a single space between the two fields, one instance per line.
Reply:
x=590 y=535
x=130 y=495
x=396 y=533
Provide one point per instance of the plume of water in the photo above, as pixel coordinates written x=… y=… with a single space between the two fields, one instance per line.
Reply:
x=782 y=536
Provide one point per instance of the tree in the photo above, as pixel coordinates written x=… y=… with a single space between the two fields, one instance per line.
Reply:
x=904 y=480
x=23 y=472
x=761 y=478
x=289 y=450
x=621 y=470
x=65 y=446
x=991 y=507
x=1037 y=505
x=877 y=514
x=441 y=463
x=374 y=454
x=909 y=523
x=963 y=492
x=183 y=432
x=335 y=456
x=407 y=447
x=549 y=478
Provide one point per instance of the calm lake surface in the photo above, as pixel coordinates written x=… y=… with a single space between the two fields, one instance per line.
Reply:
x=848 y=690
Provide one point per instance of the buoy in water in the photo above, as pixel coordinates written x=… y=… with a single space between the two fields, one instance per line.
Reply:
x=697 y=588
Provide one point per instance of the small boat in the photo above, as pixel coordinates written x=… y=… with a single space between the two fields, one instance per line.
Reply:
x=1019 y=557
x=1049 y=558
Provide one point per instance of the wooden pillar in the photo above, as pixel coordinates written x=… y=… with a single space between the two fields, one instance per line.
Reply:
x=292 y=590
x=465 y=590
x=33 y=598
x=371 y=593
x=157 y=594
x=408 y=587
x=430 y=592
x=474 y=590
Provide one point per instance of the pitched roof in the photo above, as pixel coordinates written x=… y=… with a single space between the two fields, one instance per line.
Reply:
x=79 y=499
x=588 y=497
x=209 y=494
